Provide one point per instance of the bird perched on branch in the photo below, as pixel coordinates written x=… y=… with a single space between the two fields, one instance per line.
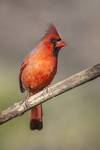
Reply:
x=38 y=70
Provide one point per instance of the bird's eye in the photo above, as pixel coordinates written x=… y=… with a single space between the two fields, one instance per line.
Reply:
x=53 y=41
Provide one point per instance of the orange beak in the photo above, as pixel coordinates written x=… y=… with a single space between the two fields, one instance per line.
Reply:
x=60 y=44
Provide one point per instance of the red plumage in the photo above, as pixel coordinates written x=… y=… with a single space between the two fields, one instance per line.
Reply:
x=38 y=70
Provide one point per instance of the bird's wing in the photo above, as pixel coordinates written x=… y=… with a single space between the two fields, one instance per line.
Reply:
x=23 y=65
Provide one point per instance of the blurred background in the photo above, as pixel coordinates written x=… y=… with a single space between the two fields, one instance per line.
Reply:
x=71 y=121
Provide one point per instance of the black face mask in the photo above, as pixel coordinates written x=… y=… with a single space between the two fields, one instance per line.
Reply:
x=55 y=49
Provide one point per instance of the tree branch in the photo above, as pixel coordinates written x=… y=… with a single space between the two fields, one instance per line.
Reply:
x=69 y=83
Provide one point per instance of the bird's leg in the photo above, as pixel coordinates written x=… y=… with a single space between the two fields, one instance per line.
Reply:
x=23 y=99
x=29 y=94
x=26 y=99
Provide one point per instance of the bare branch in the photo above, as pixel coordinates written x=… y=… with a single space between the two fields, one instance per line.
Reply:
x=69 y=83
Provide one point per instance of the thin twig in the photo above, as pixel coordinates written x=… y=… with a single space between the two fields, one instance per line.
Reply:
x=67 y=84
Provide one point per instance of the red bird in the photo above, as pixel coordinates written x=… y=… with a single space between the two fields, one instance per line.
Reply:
x=38 y=70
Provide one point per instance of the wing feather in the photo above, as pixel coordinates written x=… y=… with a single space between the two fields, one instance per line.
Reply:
x=23 y=65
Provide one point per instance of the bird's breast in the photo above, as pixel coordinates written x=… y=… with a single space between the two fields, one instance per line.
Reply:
x=39 y=73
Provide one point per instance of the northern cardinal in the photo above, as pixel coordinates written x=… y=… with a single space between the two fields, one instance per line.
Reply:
x=38 y=70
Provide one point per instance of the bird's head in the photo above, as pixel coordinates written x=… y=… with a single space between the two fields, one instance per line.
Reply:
x=53 y=40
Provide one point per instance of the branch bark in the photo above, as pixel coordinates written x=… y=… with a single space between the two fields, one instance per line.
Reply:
x=67 y=84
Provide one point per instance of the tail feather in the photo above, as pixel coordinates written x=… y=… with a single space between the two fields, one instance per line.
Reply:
x=36 y=122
